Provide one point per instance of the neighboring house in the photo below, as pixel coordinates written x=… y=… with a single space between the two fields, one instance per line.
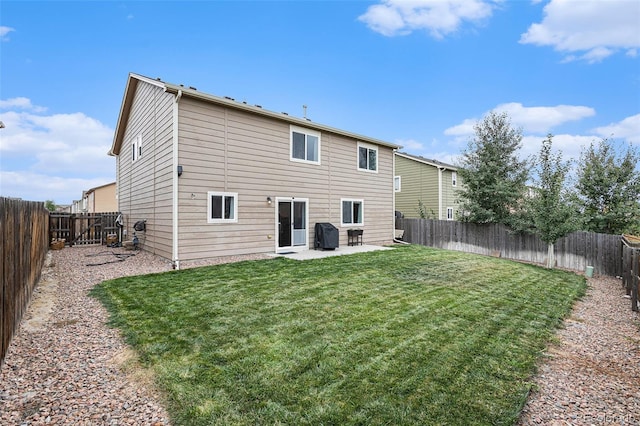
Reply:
x=101 y=199
x=215 y=177
x=425 y=185
x=79 y=206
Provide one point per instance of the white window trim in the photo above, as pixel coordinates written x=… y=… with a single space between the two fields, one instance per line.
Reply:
x=358 y=200
x=454 y=178
x=449 y=213
x=304 y=131
x=397 y=188
x=222 y=194
x=136 y=145
x=371 y=147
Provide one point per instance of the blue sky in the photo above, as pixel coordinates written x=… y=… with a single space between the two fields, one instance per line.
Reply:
x=418 y=73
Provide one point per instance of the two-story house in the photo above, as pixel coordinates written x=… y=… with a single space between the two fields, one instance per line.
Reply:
x=211 y=176
x=425 y=188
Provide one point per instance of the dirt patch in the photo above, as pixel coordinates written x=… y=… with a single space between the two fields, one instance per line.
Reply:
x=44 y=299
x=127 y=361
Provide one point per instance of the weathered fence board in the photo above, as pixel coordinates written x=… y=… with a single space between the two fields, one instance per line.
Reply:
x=24 y=229
x=631 y=270
x=576 y=251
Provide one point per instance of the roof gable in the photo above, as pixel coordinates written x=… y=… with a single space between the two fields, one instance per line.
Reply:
x=125 y=109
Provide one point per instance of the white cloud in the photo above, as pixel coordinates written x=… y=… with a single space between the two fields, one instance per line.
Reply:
x=570 y=145
x=588 y=30
x=33 y=186
x=543 y=119
x=530 y=119
x=20 y=103
x=411 y=145
x=463 y=129
x=628 y=129
x=537 y=121
x=56 y=148
x=439 y=17
x=4 y=31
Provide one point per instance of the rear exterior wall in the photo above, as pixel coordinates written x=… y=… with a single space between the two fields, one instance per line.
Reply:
x=227 y=150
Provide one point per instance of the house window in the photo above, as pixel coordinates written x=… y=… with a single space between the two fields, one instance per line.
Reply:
x=449 y=213
x=222 y=207
x=136 y=148
x=305 y=145
x=352 y=212
x=397 y=183
x=367 y=157
x=454 y=178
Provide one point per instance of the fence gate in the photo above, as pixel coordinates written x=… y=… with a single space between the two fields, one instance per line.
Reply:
x=82 y=229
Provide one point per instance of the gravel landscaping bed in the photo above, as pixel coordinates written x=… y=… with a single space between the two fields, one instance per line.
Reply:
x=591 y=375
x=66 y=367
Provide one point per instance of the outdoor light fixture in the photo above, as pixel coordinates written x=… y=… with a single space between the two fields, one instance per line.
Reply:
x=179 y=170
x=269 y=200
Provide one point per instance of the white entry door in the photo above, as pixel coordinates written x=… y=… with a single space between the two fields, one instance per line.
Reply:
x=292 y=222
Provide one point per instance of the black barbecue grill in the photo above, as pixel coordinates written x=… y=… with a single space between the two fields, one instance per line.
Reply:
x=327 y=237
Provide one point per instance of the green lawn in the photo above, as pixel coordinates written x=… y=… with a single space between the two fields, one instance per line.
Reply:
x=406 y=336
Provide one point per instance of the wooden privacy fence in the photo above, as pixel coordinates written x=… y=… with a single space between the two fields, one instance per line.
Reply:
x=576 y=251
x=83 y=229
x=24 y=229
x=631 y=269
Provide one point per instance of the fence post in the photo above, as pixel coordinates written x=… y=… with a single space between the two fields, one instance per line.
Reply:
x=635 y=280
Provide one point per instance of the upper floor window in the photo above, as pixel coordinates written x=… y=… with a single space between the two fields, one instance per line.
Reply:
x=367 y=157
x=454 y=178
x=222 y=207
x=136 y=148
x=352 y=212
x=397 y=183
x=305 y=145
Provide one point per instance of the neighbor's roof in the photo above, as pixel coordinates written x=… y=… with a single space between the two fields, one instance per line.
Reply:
x=192 y=92
x=88 y=191
x=428 y=161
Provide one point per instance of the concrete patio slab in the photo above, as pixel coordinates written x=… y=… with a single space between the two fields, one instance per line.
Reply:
x=319 y=254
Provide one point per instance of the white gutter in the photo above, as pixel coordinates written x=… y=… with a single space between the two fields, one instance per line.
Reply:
x=174 y=173
x=440 y=169
x=393 y=190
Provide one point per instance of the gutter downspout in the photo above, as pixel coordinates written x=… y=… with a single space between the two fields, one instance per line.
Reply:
x=395 y=240
x=174 y=173
x=393 y=190
x=440 y=169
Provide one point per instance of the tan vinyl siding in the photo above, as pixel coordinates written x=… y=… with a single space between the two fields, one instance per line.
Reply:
x=227 y=150
x=102 y=199
x=144 y=187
